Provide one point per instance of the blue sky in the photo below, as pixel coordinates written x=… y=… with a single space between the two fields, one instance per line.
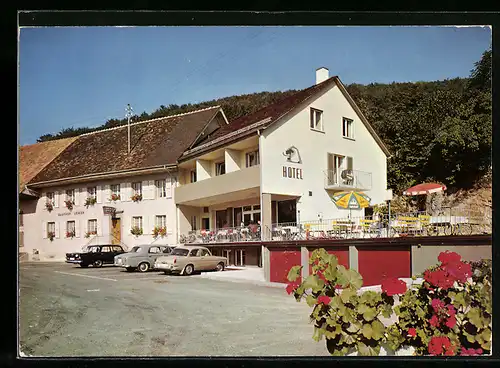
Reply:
x=83 y=76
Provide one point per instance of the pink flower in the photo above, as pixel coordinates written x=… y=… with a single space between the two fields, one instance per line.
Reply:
x=324 y=299
x=451 y=322
x=470 y=352
x=434 y=321
x=412 y=332
x=440 y=345
x=449 y=257
x=393 y=286
x=437 y=304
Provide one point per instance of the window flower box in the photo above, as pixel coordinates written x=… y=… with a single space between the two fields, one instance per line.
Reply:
x=135 y=230
x=136 y=197
x=49 y=206
x=88 y=234
x=114 y=197
x=90 y=201
x=70 y=234
x=51 y=235
x=159 y=231
x=69 y=204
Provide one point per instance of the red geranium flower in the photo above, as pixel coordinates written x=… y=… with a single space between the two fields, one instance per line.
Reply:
x=438 y=278
x=459 y=271
x=292 y=286
x=412 y=332
x=324 y=299
x=321 y=276
x=451 y=322
x=470 y=352
x=449 y=257
x=434 y=321
x=393 y=286
x=439 y=345
x=451 y=310
x=437 y=304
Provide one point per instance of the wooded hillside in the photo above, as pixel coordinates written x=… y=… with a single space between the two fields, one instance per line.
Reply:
x=439 y=131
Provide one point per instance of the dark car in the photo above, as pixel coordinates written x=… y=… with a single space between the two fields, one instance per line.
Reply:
x=96 y=255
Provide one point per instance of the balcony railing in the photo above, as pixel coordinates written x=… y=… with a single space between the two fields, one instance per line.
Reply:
x=470 y=221
x=345 y=179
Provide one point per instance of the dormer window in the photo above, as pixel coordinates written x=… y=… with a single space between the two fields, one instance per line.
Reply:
x=316 y=120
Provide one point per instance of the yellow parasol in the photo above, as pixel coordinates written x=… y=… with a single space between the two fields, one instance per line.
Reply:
x=351 y=200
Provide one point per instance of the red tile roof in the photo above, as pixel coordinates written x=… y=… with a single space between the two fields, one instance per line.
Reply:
x=154 y=143
x=273 y=111
x=34 y=157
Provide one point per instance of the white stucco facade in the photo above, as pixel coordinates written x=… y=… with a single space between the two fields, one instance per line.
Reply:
x=36 y=216
x=313 y=147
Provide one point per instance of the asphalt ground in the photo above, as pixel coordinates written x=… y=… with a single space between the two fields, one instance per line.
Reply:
x=65 y=311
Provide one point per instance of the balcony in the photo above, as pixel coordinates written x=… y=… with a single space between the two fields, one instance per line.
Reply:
x=235 y=185
x=348 y=180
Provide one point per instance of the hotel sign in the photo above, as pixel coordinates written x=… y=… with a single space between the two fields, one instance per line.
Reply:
x=292 y=155
x=69 y=213
x=292 y=172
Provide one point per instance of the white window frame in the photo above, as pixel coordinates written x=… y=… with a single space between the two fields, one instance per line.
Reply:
x=161 y=188
x=161 y=221
x=50 y=197
x=137 y=188
x=92 y=225
x=137 y=222
x=92 y=192
x=255 y=156
x=314 y=123
x=347 y=128
x=69 y=228
x=219 y=166
x=70 y=195
x=115 y=189
x=51 y=228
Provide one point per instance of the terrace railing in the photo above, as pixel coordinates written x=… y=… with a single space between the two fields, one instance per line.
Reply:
x=468 y=221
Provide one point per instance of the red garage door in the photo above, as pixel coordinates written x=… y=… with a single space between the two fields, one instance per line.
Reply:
x=281 y=260
x=377 y=264
x=341 y=253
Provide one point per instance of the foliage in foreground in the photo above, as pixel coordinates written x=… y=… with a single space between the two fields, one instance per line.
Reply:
x=448 y=314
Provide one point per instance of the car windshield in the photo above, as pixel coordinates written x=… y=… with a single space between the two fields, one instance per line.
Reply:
x=180 y=252
x=135 y=249
x=92 y=249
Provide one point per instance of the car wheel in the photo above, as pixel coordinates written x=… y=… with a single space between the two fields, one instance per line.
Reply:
x=188 y=270
x=98 y=263
x=83 y=265
x=130 y=269
x=143 y=267
x=167 y=272
x=220 y=267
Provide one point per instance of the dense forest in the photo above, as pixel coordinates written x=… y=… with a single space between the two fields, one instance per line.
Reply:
x=438 y=131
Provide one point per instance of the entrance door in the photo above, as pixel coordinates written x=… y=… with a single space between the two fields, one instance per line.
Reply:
x=116 y=232
x=227 y=253
x=240 y=257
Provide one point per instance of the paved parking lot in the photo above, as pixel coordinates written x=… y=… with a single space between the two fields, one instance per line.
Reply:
x=69 y=311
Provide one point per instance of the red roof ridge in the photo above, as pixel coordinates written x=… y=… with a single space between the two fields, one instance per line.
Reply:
x=151 y=120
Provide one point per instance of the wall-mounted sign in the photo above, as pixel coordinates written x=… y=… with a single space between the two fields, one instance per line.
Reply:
x=71 y=213
x=108 y=210
x=292 y=172
x=292 y=154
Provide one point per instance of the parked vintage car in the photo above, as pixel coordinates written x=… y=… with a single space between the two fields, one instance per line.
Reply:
x=186 y=259
x=95 y=255
x=141 y=257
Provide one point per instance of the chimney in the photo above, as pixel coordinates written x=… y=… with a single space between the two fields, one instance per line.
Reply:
x=321 y=75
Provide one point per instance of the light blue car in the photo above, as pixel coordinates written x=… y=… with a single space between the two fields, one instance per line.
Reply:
x=141 y=257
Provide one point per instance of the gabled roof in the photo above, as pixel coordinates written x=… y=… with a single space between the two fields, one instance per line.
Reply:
x=153 y=143
x=249 y=124
x=34 y=157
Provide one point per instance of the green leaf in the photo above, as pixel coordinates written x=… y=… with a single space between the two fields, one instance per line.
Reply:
x=330 y=272
x=475 y=317
x=311 y=300
x=294 y=273
x=318 y=333
x=347 y=294
x=387 y=311
x=370 y=314
x=367 y=331
x=313 y=282
x=370 y=297
x=349 y=277
x=365 y=350
x=353 y=327
x=470 y=338
x=378 y=330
